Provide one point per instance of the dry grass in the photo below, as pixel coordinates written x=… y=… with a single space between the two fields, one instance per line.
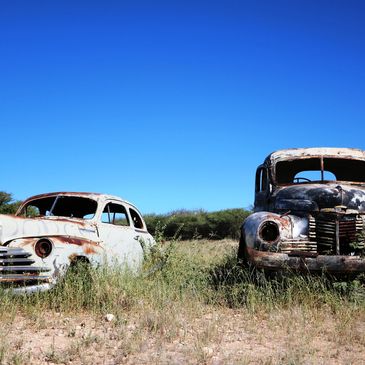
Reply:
x=197 y=307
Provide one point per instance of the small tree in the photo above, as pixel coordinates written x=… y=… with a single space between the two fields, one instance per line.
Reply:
x=7 y=204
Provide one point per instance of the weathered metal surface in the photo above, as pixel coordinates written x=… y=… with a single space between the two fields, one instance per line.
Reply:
x=308 y=225
x=313 y=197
x=296 y=153
x=297 y=261
x=69 y=238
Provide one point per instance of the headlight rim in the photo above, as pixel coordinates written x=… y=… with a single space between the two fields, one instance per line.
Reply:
x=43 y=251
x=269 y=232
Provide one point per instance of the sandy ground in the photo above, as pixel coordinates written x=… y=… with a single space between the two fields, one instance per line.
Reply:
x=214 y=336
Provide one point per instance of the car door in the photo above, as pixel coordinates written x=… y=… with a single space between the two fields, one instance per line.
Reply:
x=119 y=239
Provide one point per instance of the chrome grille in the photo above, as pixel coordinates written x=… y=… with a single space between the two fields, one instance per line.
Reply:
x=298 y=245
x=17 y=266
x=336 y=234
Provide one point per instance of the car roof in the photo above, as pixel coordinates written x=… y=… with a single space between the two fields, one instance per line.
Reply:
x=331 y=152
x=95 y=196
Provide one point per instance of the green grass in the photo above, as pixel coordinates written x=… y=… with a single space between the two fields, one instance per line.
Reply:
x=190 y=274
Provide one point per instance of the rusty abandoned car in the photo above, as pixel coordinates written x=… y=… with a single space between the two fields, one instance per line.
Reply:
x=309 y=212
x=50 y=232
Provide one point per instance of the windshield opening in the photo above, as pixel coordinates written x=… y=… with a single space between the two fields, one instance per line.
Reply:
x=318 y=169
x=60 y=206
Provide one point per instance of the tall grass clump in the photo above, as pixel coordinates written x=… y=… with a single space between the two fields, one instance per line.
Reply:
x=180 y=275
x=254 y=289
x=167 y=276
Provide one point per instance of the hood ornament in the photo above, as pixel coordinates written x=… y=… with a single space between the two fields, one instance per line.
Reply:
x=340 y=190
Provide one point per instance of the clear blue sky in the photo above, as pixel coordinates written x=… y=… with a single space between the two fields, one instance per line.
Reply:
x=173 y=104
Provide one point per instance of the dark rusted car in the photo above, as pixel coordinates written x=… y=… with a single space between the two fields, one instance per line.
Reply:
x=309 y=212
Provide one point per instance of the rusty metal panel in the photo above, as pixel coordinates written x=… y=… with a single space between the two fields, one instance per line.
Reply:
x=305 y=224
x=298 y=153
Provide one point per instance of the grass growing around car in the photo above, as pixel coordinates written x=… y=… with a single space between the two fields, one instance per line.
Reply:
x=191 y=303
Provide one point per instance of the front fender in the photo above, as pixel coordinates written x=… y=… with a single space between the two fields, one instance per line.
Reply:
x=47 y=271
x=252 y=225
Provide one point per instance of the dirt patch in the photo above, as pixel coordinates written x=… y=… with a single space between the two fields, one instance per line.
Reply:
x=215 y=336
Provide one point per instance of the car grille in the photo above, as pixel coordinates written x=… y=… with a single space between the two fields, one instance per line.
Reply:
x=337 y=234
x=291 y=245
x=16 y=266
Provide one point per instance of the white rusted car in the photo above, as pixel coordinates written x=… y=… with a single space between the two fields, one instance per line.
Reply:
x=51 y=231
x=309 y=212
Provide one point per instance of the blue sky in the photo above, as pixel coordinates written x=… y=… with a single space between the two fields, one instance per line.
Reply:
x=173 y=104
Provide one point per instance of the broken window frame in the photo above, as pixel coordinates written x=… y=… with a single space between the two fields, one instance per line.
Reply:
x=52 y=205
x=139 y=225
x=111 y=214
x=323 y=162
x=262 y=179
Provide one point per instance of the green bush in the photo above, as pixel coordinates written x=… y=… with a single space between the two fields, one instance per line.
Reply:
x=7 y=204
x=198 y=223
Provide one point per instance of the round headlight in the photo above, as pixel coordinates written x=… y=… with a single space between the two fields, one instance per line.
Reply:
x=43 y=248
x=269 y=231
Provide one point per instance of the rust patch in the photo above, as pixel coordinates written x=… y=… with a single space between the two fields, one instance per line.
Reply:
x=87 y=245
x=284 y=221
x=255 y=253
x=72 y=257
x=74 y=241
x=328 y=263
x=89 y=249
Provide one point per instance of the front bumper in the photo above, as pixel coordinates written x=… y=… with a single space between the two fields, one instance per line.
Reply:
x=306 y=262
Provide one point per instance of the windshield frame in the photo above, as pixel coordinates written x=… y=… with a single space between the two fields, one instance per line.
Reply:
x=21 y=212
x=322 y=168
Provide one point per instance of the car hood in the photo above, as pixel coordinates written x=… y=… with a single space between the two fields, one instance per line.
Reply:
x=13 y=227
x=312 y=197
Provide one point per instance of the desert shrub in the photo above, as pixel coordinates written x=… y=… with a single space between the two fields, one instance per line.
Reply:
x=199 y=224
x=7 y=203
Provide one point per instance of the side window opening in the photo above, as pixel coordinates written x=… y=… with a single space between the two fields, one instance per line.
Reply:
x=136 y=219
x=115 y=214
x=32 y=211
x=261 y=179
